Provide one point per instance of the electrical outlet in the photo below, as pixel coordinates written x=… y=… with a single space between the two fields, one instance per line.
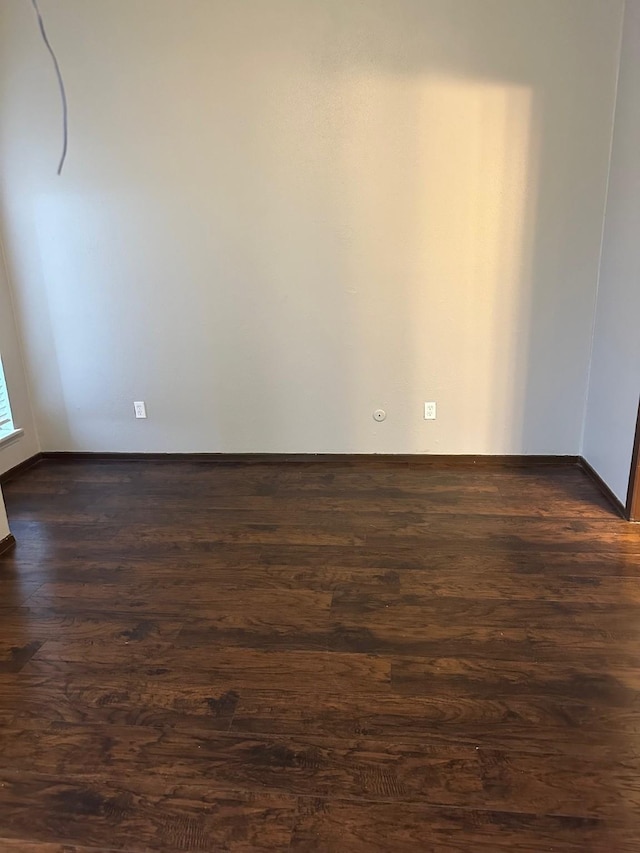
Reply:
x=430 y=411
x=140 y=409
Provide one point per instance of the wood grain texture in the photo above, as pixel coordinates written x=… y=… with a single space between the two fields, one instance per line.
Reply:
x=405 y=828
x=11 y=845
x=331 y=655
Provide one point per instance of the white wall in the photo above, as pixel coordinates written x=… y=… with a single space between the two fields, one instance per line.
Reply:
x=277 y=216
x=12 y=359
x=615 y=373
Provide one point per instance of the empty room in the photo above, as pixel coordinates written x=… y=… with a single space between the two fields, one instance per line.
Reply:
x=319 y=433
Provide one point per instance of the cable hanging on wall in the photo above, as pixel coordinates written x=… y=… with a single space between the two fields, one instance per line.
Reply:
x=63 y=94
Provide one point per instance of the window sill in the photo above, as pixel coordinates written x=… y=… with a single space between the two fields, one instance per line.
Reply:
x=9 y=439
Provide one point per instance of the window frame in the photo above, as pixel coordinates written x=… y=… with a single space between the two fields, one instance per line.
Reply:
x=7 y=436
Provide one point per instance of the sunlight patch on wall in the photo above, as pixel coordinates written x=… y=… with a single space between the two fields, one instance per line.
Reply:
x=439 y=203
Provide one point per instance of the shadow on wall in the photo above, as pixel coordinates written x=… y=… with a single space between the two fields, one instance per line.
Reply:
x=319 y=209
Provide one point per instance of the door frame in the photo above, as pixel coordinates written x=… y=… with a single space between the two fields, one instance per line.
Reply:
x=633 y=493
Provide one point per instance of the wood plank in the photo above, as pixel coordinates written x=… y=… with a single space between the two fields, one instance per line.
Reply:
x=146 y=538
x=447 y=534
x=49 y=623
x=530 y=723
x=378 y=828
x=325 y=566
x=184 y=597
x=230 y=668
x=41 y=700
x=458 y=774
x=448 y=500
x=614 y=687
x=554 y=581
x=351 y=601
x=11 y=845
x=141 y=814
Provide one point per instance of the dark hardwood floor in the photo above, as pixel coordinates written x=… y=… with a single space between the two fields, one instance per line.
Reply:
x=317 y=656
